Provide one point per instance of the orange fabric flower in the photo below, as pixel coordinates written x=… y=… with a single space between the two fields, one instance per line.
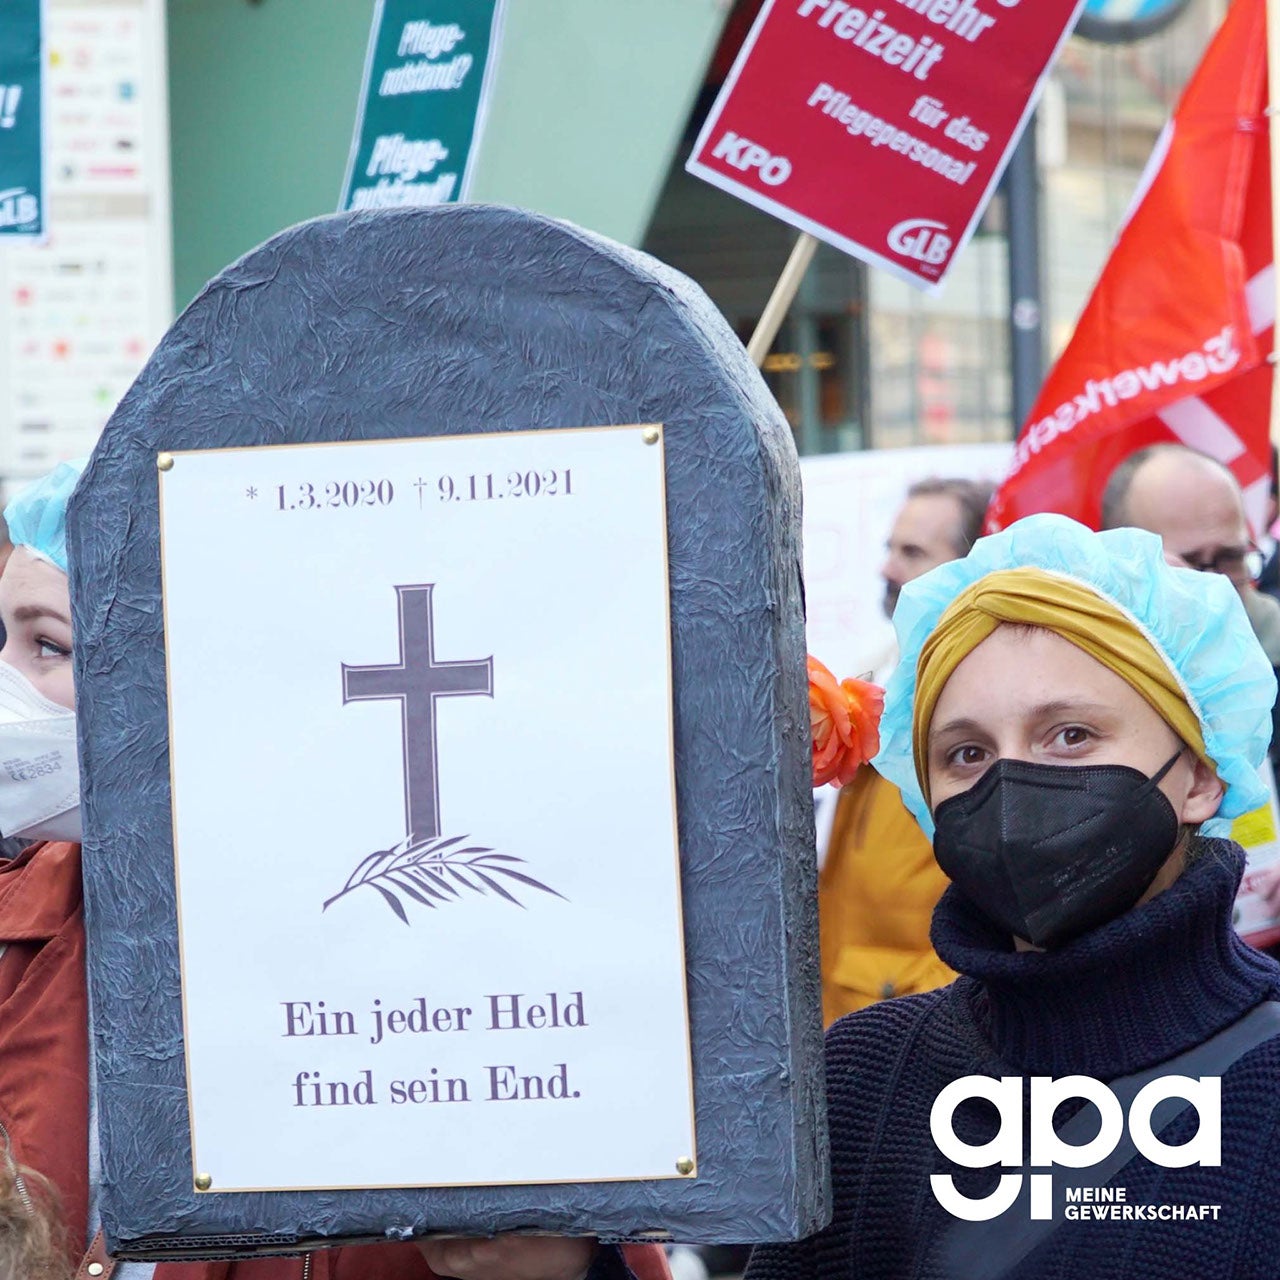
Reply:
x=845 y=721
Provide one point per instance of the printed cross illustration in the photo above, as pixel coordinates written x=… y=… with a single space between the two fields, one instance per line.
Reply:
x=418 y=680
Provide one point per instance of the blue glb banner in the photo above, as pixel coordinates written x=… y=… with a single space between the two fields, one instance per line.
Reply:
x=21 y=120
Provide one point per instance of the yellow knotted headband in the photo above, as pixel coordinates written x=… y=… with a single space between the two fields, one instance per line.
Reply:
x=1037 y=598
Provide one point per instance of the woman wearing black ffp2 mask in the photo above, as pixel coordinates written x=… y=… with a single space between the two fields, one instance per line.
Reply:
x=1072 y=713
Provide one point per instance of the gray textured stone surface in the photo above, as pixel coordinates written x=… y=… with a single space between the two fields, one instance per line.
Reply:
x=436 y=322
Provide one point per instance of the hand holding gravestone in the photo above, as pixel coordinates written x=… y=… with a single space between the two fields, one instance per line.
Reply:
x=510 y=1257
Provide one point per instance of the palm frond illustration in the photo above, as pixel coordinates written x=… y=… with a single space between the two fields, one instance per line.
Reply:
x=431 y=872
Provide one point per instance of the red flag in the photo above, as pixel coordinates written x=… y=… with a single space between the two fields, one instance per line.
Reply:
x=1173 y=344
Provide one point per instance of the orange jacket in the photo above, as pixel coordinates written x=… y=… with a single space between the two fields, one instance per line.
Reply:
x=876 y=894
x=44 y=1076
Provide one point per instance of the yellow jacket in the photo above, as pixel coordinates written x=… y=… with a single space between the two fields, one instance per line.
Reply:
x=876 y=894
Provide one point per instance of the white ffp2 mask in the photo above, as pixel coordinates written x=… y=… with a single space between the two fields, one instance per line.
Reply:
x=39 y=766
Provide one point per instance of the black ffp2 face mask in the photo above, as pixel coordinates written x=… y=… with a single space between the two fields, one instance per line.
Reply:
x=1049 y=852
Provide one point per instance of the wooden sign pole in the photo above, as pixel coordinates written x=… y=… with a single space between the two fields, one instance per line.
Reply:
x=784 y=293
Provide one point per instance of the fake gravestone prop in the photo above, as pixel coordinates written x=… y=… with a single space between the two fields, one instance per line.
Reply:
x=456 y=537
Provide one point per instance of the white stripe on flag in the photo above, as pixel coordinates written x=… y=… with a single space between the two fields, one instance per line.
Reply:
x=1260 y=298
x=1196 y=425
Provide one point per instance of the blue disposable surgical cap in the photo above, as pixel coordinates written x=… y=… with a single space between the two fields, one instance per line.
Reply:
x=1194 y=621
x=37 y=517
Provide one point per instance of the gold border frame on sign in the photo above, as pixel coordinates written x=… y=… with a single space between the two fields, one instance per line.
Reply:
x=173 y=457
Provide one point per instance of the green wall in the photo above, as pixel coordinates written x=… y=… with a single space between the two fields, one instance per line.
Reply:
x=261 y=107
x=589 y=105
x=589 y=102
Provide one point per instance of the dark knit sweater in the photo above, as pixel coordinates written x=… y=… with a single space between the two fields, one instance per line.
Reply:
x=1129 y=995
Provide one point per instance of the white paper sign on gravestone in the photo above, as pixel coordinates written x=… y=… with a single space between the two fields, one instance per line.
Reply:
x=455 y=653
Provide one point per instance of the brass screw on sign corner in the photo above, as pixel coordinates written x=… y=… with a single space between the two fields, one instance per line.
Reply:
x=164 y=462
x=651 y=435
x=203 y=1181
x=684 y=1166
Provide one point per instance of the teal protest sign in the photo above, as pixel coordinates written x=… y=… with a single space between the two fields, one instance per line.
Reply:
x=427 y=78
x=21 y=153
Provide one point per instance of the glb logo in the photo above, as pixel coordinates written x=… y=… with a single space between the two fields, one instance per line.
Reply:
x=744 y=154
x=18 y=207
x=1048 y=1148
x=921 y=239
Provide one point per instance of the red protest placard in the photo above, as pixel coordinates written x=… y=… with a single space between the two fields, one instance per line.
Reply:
x=883 y=130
